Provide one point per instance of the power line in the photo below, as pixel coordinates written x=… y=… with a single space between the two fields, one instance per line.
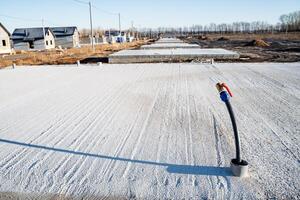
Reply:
x=18 y=18
x=27 y=19
x=104 y=11
x=77 y=1
x=82 y=2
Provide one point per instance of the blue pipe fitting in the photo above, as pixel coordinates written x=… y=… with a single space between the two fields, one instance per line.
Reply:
x=224 y=96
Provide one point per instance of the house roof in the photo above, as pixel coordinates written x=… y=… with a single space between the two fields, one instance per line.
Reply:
x=63 y=31
x=4 y=29
x=29 y=34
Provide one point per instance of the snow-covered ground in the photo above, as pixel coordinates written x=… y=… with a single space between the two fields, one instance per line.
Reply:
x=151 y=131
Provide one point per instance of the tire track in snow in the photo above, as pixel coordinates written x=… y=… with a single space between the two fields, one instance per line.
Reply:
x=166 y=179
x=163 y=139
x=12 y=161
x=191 y=161
x=107 y=108
x=82 y=138
x=205 y=106
x=274 y=83
x=77 y=119
x=36 y=119
x=57 y=142
x=73 y=172
x=222 y=182
x=141 y=135
x=266 y=94
x=111 y=164
x=36 y=115
x=119 y=148
x=71 y=119
x=108 y=170
x=112 y=115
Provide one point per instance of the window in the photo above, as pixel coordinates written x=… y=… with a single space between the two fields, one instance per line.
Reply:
x=4 y=43
x=47 y=42
x=51 y=42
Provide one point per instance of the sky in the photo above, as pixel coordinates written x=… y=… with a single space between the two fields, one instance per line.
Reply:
x=140 y=13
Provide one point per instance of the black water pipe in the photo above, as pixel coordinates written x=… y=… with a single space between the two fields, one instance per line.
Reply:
x=235 y=131
x=238 y=166
x=225 y=95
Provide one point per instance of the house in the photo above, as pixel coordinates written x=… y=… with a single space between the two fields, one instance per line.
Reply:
x=5 y=45
x=33 y=38
x=66 y=37
x=112 y=36
x=130 y=37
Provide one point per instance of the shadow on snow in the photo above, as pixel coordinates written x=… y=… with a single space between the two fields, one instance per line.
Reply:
x=171 y=168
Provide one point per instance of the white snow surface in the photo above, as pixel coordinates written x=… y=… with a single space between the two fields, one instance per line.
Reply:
x=148 y=131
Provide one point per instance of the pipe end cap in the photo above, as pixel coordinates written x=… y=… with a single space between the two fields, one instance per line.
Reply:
x=239 y=169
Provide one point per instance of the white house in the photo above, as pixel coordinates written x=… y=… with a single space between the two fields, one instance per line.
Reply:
x=66 y=37
x=112 y=36
x=5 y=45
x=33 y=38
x=130 y=37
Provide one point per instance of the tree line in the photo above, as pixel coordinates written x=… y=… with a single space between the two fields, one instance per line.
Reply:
x=290 y=22
x=287 y=23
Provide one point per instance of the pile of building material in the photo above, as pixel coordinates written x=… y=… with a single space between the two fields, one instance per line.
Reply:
x=170 y=50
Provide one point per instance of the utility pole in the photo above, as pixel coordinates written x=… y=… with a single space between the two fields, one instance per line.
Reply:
x=44 y=34
x=109 y=41
x=132 y=31
x=120 y=23
x=91 y=23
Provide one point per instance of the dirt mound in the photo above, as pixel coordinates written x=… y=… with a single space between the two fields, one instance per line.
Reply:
x=222 y=39
x=258 y=43
x=202 y=37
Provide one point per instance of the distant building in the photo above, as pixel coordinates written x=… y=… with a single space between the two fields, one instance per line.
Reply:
x=5 y=45
x=33 y=39
x=66 y=37
x=130 y=37
x=112 y=36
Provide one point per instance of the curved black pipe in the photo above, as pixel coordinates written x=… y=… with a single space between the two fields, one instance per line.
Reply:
x=235 y=131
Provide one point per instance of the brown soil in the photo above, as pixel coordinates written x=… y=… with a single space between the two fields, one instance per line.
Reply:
x=223 y=39
x=255 y=47
x=258 y=43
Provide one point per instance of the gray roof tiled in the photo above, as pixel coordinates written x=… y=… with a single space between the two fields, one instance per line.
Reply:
x=29 y=34
x=63 y=31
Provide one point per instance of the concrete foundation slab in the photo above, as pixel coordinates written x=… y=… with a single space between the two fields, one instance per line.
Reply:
x=169 y=40
x=170 y=55
x=169 y=46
